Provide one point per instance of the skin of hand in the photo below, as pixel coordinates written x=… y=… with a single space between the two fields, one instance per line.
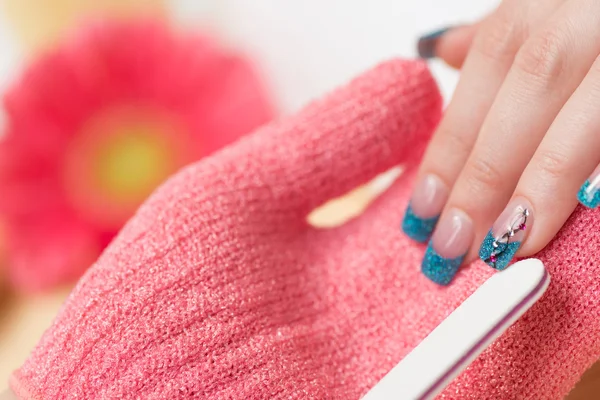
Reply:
x=522 y=122
x=519 y=144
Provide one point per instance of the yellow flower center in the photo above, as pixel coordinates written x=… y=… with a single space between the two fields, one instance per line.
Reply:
x=119 y=158
x=132 y=161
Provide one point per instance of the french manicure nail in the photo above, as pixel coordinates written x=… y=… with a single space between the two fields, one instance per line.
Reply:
x=427 y=43
x=448 y=247
x=424 y=208
x=507 y=234
x=589 y=194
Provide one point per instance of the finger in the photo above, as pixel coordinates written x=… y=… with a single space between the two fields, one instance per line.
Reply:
x=453 y=47
x=449 y=44
x=546 y=71
x=487 y=64
x=548 y=186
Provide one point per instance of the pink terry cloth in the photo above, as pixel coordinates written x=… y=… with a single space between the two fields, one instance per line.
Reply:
x=219 y=289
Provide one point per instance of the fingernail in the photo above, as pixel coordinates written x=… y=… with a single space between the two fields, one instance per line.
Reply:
x=507 y=234
x=589 y=194
x=427 y=43
x=448 y=247
x=424 y=208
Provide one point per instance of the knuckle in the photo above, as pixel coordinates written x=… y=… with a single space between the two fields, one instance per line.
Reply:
x=552 y=163
x=459 y=141
x=483 y=174
x=543 y=57
x=497 y=39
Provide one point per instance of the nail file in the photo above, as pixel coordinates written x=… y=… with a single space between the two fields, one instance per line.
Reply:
x=465 y=333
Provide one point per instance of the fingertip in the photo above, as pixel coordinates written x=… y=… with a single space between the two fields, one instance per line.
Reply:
x=589 y=193
x=453 y=46
x=507 y=234
x=428 y=43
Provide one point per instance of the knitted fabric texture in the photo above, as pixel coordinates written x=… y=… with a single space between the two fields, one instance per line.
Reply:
x=219 y=289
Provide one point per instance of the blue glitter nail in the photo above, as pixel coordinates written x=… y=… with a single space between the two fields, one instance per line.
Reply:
x=503 y=257
x=588 y=195
x=439 y=269
x=418 y=228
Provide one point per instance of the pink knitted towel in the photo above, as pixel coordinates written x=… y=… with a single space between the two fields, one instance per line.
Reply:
x=218 y=288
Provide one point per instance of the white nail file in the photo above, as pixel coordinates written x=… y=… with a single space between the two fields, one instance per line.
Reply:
x=464 y=334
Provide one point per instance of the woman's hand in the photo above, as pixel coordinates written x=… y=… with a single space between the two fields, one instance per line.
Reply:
x=520 y=141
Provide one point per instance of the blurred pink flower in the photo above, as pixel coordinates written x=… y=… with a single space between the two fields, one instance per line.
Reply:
x=96 y=124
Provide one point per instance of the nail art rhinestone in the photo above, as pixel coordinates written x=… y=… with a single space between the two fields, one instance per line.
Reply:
x=497 y=252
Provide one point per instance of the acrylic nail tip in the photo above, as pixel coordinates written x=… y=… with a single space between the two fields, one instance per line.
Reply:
x=439 y=269
x=427 y=43
x=417 y=228
x=588 y=198
x=501 y=259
